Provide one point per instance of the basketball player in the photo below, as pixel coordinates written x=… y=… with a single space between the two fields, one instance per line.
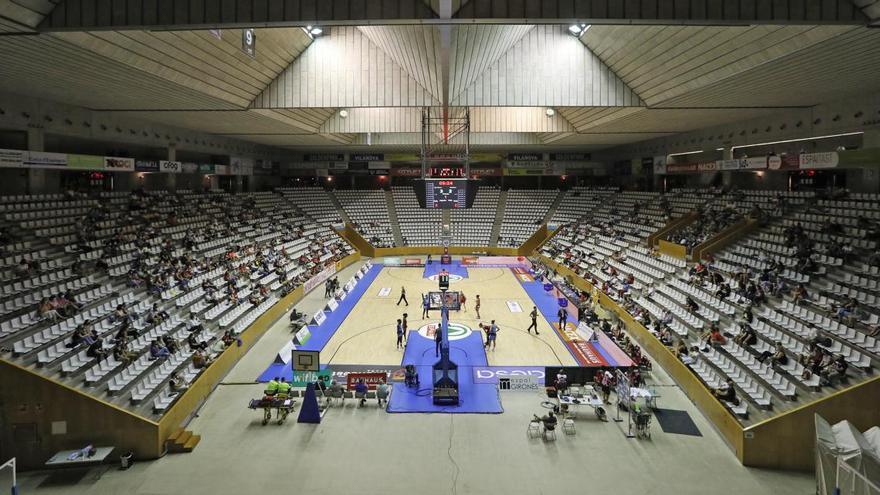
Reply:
x=426 y=306
x=477 y=306
x=491 y=335
x=402 y=296
x=403 y=323
x=534 y=315
x=463 y=300
x=399 y=334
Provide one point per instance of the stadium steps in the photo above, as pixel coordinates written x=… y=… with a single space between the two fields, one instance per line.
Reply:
x=499 y=219
x=392 y=217
x=333 y=199
x=553 y=207
x=182 y=441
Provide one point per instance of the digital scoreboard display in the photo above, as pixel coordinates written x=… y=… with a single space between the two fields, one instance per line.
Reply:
x=445 y=193
x=447 y=172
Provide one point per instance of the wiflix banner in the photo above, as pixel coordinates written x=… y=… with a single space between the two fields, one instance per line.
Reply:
x=146 y=166
x=40 y=159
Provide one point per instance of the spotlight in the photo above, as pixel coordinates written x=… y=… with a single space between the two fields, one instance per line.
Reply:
x=550 y=112
x=316 y=31
x=343 y=113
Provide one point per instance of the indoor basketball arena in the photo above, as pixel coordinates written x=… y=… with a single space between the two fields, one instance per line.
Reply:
x=440 y=246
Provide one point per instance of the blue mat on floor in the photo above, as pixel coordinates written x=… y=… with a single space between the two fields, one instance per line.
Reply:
x=455 y=268
x=466 y=353
x=321 y=334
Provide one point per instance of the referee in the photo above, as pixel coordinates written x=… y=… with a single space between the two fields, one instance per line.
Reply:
x=534 y=315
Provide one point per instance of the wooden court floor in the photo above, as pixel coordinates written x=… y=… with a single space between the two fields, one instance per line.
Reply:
x=367 y=336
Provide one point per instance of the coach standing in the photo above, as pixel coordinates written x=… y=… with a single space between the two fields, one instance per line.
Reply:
x=563 y=318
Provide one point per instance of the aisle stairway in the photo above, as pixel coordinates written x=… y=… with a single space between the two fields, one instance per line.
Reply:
x=339 y=208
x=392 y=216
x=554 y=206
x=499 y=218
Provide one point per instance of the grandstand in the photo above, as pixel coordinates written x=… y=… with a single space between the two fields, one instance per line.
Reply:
x=656 y=225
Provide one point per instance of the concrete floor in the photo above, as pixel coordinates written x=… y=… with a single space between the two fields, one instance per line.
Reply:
x=367 y=451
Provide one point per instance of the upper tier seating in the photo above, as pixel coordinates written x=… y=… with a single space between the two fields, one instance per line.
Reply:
x=418 y=226
x=368 y=210
x=473 y=226
x=523 y=214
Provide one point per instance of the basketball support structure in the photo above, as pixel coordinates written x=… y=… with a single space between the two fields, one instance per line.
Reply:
x=445 y=138
x=445 y=372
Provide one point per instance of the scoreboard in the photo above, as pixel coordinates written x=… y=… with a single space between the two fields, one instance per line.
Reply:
x=446 y=193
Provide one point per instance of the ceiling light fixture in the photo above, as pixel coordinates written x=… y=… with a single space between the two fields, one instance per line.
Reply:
x=343 y=113
x=829 y=136
x=578 y=30
x=685 y=153
x=550 y=112
x=313 y=31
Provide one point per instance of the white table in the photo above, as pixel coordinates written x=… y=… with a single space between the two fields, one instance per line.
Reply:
x=61 y=458
x=589 y=400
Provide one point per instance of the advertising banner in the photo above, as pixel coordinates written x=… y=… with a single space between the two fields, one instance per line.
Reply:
x=324 y=157
x=146 y=166
x=819 y=160
x=116 y=164
x=707 y=166
x=681 y=168
x=525 y=157
x=491 y=374
x=170 y=167
x=372 y=380
x=11 y=158
x=206 y=168
x=319 y=278
x=366 y=157
x=85 y=162
x=40 y=159
x=189 y=168
x=754 y=163
x=406 y=172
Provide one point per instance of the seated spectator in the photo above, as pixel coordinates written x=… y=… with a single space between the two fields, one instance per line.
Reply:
x=549 y=420
x=382 y=392
x=45 y=310
x=170 y=343
x=200 y=360
x=360 y=391
x=125 y=332
x=96 y=349
x=845 y=311
x=713 y=337
x=746 y=336
x=228 y=338
x=725 y=392
x=121 y=314
x=176 y=383
x=800 y=293
x=23 y=268
x=158 y=351
x=194 y=343
x=122 y=353
x=195 y=324
x=834 y=370
x=155 y=315
x=691 y=304
x=777 y=356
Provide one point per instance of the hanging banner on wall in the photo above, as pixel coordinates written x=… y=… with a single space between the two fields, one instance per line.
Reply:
x=754 y=163
x=240 y=165
x=116 y=164
x=169 y=167
x=42 y=159
x=570 y=157
x=324 y=157
x=406 y=172
x=681 y=168
x=189 y=168
x=366 y=157
x=85 y=162
x=707 y=166
x=525 y=157
x=206 y=168
x=146 y=166
x=819 y=160
x=11 y=158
